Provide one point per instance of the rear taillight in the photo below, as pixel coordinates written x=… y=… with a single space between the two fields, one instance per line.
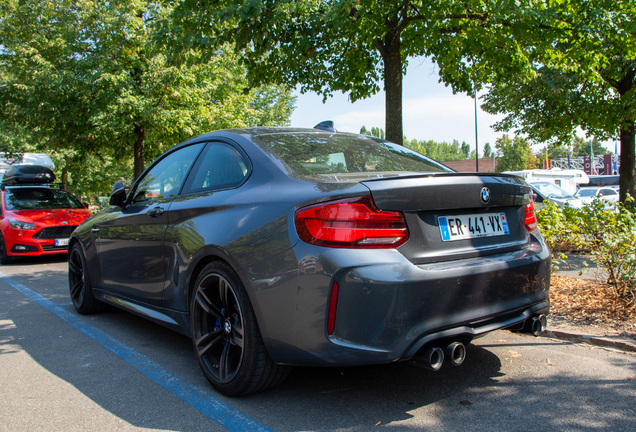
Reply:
x=351 y=223
x=531 y=218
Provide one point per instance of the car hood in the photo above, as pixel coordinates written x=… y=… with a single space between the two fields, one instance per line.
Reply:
x=54 y=217
x=572 y=202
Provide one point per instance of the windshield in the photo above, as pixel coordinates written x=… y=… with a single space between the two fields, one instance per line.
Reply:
x=40 y=199
x=586 y=192
x=551 y=190
x=310 y=154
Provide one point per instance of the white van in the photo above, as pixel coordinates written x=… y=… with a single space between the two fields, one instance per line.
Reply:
x=566 y=179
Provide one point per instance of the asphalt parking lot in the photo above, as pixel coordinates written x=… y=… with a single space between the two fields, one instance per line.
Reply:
x=114 y=371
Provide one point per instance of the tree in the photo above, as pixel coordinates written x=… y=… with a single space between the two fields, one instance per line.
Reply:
x=374 y=132
x=514 y=154
x=94 y=77
x=443 y=151
x=487 y=150
x=578 y=147
x=352 y=46
x=586 y=79
x=466 y=149
x=356 y=46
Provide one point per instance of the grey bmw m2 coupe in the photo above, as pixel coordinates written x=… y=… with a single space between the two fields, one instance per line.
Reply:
x=279 y=247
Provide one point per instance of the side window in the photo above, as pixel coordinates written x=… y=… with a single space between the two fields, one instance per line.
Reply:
x=164 y=180
x=220 y=166
x=609 y=192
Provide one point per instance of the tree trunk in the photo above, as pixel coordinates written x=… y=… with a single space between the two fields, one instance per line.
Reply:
x=628 y=127
x=65 y=173
x=392 y=59
x=139 y=150
x=628 y=161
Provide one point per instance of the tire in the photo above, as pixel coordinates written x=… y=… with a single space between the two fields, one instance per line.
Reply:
x=4 y=258
x=79 y=284
x=225 y=335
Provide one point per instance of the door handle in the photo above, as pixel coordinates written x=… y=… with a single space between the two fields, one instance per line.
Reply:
x=155 y=212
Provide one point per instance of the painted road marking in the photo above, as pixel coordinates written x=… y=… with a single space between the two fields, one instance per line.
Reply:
x=228 y=417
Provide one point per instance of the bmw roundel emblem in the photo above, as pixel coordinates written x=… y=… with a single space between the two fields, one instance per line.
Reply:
x=485 y=195
x=227 y=327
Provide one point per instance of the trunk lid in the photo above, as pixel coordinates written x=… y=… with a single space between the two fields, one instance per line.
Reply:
x=456 y=215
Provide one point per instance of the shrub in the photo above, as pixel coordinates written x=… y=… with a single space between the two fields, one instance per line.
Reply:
x=609 y=234
x=560 y=228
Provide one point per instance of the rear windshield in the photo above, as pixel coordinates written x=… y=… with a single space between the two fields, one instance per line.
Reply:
x=551 y=190
x=39 y=198
x=314 y=154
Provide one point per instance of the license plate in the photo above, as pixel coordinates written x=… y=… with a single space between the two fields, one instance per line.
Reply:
x=61 y=242
x=473 y=226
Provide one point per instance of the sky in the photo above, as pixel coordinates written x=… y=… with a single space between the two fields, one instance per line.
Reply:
x=430 y=110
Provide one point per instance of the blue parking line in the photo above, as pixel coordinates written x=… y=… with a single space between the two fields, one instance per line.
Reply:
x=218 y=411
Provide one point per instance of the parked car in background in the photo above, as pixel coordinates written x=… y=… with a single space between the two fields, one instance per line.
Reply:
x=36 y=218
x=273 y=247
x=548 y=191
x=589 y=194
x=567 y=179
x=611 y=181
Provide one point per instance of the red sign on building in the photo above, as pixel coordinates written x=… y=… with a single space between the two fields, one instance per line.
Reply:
x=608 y=168
x=587 y=165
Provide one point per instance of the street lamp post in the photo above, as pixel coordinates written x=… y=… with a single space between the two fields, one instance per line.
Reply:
x=476 y=139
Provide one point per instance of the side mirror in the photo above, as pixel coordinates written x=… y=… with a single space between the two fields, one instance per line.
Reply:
x=117 y=195
x=535 y=197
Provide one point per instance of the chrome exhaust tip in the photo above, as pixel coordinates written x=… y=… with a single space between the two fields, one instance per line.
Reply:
x=430 y=357
x=456 y=352
x=538 y=324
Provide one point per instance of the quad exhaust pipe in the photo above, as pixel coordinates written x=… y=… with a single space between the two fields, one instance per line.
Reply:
x=432 y=356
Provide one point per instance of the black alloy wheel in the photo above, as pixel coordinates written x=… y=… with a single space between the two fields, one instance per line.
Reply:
x=226 y=337
x=79 y=285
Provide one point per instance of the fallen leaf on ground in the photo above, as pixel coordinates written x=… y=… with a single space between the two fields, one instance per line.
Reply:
x=586 y=301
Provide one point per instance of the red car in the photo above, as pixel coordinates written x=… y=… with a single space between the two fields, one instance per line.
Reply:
x=36 y=218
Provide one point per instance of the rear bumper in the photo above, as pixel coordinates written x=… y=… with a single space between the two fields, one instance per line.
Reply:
x=388 y=308
x=397 y=310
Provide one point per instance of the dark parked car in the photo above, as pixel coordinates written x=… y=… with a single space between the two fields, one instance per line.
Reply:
x=272 y=247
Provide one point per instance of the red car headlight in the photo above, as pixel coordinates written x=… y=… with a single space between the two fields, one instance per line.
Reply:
x=21 y=225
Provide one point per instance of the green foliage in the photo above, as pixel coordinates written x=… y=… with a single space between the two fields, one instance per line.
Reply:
x=552 y=66
x=608 y=233
x=487 y=150
x=579 y=147
x=359 y=47
x=560 y=229
x=585 y=78
x=515 y=154
x=441 y=151
x=611 y=236
x=92 y=80
x=374 y=132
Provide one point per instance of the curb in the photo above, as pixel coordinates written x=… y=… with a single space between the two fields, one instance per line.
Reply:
x=623 y=345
